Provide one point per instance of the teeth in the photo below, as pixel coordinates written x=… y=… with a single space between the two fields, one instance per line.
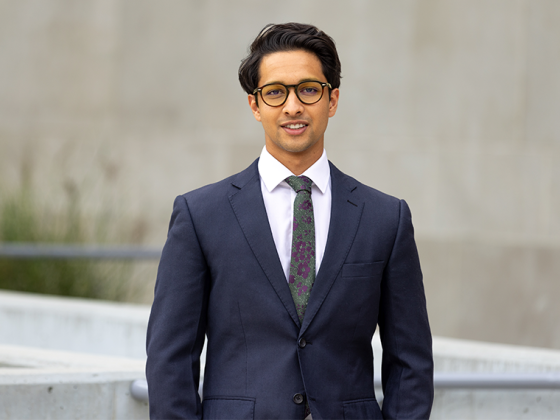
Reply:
x=295 y=126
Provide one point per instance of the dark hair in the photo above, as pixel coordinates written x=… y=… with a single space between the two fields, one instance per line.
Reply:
x=289 y=37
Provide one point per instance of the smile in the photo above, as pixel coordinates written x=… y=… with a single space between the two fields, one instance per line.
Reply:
x=295 y=128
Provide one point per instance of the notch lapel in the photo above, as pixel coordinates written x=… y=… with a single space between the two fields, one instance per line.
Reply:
x=248 y=206
x=346 y=212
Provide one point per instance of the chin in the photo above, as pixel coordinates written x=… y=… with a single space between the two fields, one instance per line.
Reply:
x=297 y=149
x=296 y=146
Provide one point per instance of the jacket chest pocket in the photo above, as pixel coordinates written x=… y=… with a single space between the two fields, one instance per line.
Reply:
x=363 y=270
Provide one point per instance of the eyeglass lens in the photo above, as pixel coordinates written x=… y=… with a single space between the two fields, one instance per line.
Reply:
x=307 y=92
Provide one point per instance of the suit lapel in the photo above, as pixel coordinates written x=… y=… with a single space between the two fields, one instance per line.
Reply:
x=248 y=206
x=346 y=212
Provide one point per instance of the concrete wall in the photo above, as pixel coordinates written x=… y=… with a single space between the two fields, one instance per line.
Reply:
x=452 y=355
x=48 y=384
x=71 y=324
x=450 y=104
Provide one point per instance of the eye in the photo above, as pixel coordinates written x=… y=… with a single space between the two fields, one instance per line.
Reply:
x=309 y=90
x=273 y=91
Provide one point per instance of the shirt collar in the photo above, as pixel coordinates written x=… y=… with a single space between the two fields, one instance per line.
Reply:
x=272 y=172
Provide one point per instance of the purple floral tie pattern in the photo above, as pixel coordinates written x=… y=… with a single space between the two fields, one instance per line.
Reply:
x=302 y=264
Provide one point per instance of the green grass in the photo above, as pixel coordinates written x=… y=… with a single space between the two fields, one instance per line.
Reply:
x=22 y=219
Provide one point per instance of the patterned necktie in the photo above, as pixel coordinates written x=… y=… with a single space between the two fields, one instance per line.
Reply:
x=302 y=264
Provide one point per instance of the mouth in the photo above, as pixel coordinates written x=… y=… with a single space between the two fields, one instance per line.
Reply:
x=295 y=128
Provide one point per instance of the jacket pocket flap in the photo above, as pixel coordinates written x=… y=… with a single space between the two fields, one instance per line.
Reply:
x=228 y=408
x=362 y=409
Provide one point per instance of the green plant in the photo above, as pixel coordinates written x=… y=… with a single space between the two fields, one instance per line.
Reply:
x=22 y=219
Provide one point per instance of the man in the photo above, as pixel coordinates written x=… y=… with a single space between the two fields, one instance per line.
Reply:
x=287 y=268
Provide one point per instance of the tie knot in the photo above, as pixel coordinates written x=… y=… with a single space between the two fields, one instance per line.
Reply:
x=299 y=183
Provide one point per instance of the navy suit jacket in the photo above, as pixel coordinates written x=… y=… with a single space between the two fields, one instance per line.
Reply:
x=220 y=276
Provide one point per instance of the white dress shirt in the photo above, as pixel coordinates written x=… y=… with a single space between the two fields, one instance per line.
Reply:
x=279 y=199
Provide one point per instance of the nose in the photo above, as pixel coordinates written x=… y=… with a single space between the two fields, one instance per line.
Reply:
x=293 y=105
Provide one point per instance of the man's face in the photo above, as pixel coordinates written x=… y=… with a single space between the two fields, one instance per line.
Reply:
x=294 y=129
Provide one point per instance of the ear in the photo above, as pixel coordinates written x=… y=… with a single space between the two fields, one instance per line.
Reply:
x=254 y=107
x=333 y=102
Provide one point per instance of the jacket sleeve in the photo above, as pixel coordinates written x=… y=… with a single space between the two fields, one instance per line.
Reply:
x=407 y=364
x=177 y=322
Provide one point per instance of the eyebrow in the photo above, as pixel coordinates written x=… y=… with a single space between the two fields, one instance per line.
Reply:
x=307 y=79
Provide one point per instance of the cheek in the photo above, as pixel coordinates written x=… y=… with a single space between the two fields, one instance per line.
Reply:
x=323 y=119
x=268 y=119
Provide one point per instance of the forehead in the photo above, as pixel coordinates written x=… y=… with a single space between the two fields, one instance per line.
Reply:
x=290 y=67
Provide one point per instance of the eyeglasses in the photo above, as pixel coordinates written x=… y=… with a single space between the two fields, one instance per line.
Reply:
x=275 y=94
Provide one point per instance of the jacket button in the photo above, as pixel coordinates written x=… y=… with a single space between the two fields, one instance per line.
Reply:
x=302 y=343
x=298 y=398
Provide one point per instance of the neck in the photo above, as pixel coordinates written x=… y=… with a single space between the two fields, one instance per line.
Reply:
x=299 y=162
